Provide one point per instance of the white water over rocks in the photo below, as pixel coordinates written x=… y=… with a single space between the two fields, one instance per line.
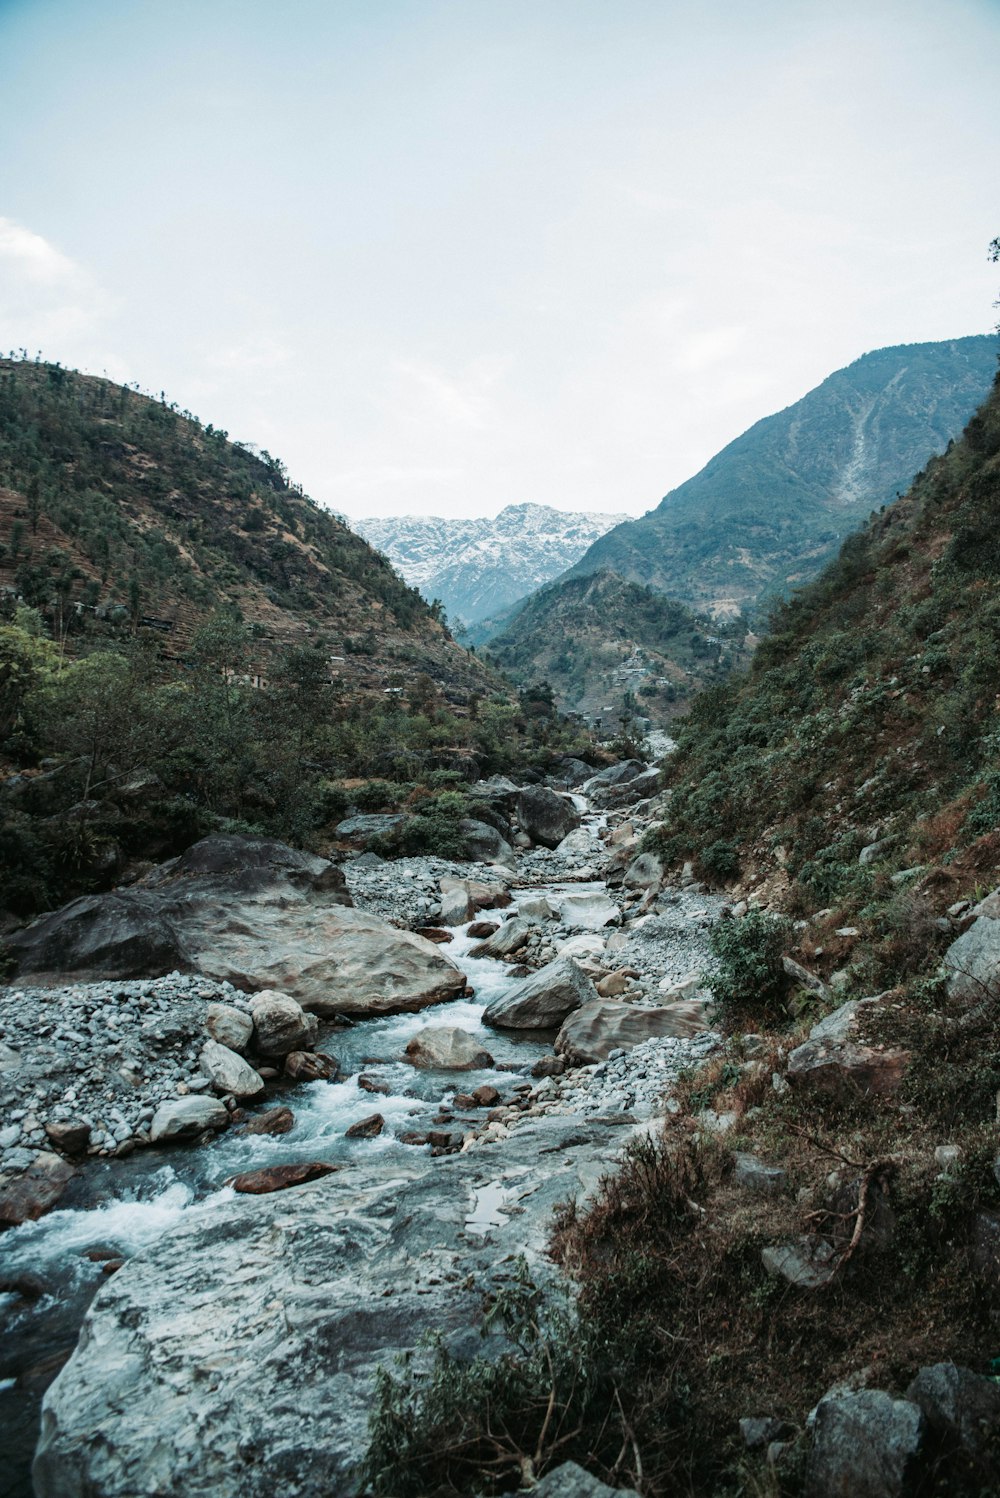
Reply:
x=392 y=1222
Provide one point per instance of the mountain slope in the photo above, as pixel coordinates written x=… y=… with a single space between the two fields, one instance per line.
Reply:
x=114 y=506
x=870 y=713
x=771 y=509
x=600 y=640
x=481 y=566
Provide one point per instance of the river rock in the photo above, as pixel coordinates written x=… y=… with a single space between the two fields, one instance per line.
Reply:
x=252 y=912
x=482 y=930
x=69 y=1135
x=180 y=1118
x=272 y=1121
x=482 y=843
x=543 y=1000
x=366 y=1128
x=280 y=1177
x=535 y=908
x=587 y=911
x=447 y=1048
x=311 y=1066
x=587 y=947
x=545 y=816
x=35 y=1190
x=618 y=774
x=510 y=938
x=280 y=1024
x=228 y=1072
x=604 y=1025
x=644 y=872
x=865 y=1445
x=230 y=1026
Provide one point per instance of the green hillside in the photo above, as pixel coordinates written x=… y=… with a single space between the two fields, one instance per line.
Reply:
x=772 y=508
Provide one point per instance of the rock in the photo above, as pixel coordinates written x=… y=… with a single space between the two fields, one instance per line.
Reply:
x=830 y=1060
x=373 y=1084
x=436 y=934
x=865 y=1445
x=279 y=1177
x=498 y=792
x=808 y=1263
x=759 y=1431
x=280 y=1024
x=486 y=1096
x=228 y=1072
x=572 y=772
x=180 y=1118
x=626 y=793
x=69 y=1135
x=803 y=977
x=510 y=938
x=480 y=930
x=765 y=1180
x=366 y=1128
x=35 y=1190
x=587 y=912
x=549 y=1066
x=359 y=831
x=273 y=1121
x=619 y=774
x=311 y=1066
x=447 y=1048
x=252 y=912
x=577 y=844
x=535 y=908
x=10 y=1060
x=571 y=1481
x=583 y=948
x=604 y=1025
x=875 y=851
x=972 y=962
x=543 y=1000
x=545 y=816
x=645 y=872
x=231 y=1027
x=482 y=843
x=455 y=907
x=479 y=894
x=959 y=1404
x=613 y=985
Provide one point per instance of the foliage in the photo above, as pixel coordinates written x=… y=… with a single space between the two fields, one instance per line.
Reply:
x=747 y=973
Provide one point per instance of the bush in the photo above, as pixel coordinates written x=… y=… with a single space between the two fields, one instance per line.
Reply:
x=720 y=861
x=747 y=973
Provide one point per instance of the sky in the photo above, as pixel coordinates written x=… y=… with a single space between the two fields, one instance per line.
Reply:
x=440 y=256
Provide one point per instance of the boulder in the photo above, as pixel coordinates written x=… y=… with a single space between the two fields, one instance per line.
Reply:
x=580 y=843
x=229 y=1026
x=498 y=792
x=280 y=1024
x=455 y=907
x=279 y=1177
x=587 y=947
x=624 y=791
x=311 y=1066
x=613 y=985
x=482 y=930
x=183 y=1117
x=960 y=1405
x=545 y=816
x=754 y=1175
x=604 y=1025
x=542 y=1001
x=569 y=1480
x=272 y=1121
x=482 y=843
x=36 y=1190
x=571 y=772
x=252 y=912
x=534 y=908
x=359 y=831
x=831 y=1060
x=447 y=1048
x=366 y=1128
x=510 y=938
x=644 y=872
x=69 y=1135
x=865 y=1445
x=618 y=774
x=808 y=1263
x=229 y=1073
x=972 y=962
x=588 y=911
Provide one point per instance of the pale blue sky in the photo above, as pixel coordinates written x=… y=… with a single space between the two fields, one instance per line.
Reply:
x=441 y=257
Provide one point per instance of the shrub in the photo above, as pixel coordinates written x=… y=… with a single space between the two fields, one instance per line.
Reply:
x=720 y=861
x=747 y=973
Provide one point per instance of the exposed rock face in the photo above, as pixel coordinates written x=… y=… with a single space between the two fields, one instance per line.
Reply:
x=865 y=1445
x=448 y=1048
x=831 y=1059
x=228 y=1072
x=252 y=912
x=184 y=1116
x=603 y=1025
x=543 y=1001
x=972 y=962
x=545 y=816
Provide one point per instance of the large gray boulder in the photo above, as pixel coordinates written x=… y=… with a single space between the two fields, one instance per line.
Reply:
x=972 y=962
x=280 y=1024
x=361 y=831
x=959 y=1404
x=252 y=912
x=482 y=843
x=182 y=1117
x=834 y=1059
x=572 y=1481
x=228 y=1072
x=229 y=1026
x=604 y=1025
x=447 y=1048
x=587 y=911
x=542 y=1001
x=510 y=938
x=545 y=816
x=865 y=1445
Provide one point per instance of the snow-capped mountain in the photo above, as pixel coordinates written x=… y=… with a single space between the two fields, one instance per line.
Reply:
x=479 y=567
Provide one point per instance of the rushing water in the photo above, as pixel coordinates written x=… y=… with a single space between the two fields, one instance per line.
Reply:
x=117 y=1207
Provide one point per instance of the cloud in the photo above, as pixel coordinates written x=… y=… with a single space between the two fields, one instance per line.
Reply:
x=431 y=395
x=252 y=356
x=47 y=300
